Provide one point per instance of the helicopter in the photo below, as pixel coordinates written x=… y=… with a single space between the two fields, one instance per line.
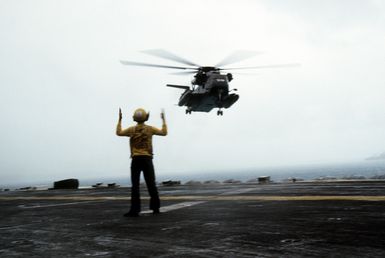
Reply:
x=209 y=87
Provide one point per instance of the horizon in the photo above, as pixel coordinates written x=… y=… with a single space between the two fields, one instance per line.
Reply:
x=279 y=173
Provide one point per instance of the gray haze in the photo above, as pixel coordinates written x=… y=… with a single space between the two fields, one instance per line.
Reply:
x=61 y=84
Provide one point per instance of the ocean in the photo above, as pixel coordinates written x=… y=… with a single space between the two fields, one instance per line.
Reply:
x=362 y=170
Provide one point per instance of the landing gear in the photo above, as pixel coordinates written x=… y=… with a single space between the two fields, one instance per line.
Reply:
x=220 y=112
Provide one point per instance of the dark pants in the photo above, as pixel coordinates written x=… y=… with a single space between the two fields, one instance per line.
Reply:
x=138 y=164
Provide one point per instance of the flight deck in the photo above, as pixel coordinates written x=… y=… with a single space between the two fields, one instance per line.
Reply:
x=302 y=219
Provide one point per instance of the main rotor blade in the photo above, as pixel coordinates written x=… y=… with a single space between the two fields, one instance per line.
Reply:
x=237 y=56
x=154 y=65
x=185 y=72
x=248 y=74
x=263 y=66
x=168 y=55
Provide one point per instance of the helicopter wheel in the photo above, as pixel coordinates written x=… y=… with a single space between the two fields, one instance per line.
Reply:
x=220 y=113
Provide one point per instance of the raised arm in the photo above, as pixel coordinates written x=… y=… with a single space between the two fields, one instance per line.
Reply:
x=164 y=125
x=163 y=131
x=119 y=130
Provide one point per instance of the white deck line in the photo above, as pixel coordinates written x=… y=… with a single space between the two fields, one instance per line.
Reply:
x=189 y=204
x=53 y=205
x=162 y=209
x=176 y=206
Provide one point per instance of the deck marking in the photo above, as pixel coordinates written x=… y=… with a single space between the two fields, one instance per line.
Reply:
x=280 y=198
x=175 y=206
x=53 y=205
x=208 y=198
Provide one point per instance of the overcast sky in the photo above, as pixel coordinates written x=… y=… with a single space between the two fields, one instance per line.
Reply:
x=61 y=84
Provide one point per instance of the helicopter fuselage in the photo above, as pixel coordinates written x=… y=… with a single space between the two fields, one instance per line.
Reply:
x=212 y=93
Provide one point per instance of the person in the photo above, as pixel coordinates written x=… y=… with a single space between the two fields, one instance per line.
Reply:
x=141 y=155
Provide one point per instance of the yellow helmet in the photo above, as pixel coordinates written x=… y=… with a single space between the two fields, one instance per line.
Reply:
x=140 y=115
